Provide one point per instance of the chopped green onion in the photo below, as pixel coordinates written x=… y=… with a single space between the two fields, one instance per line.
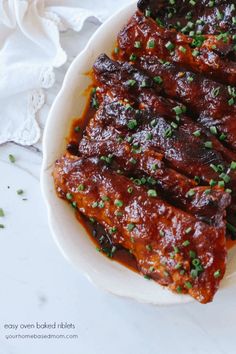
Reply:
x=12 y=158
x=178 y=266
x=20 y=192
x=190 y=79
x=118 y=203
x=178 y=110
x=197 y=133
x=179 y=289
x=191 y=193
x=233 y=165
x=215 y=92
x=192 y=254
x=132 y=124
x=81 y=187
x=151 y=44
x=186 y=243
x=188 y=230
x=105 y=198
x=231 y=101
x=174 y=125
x=152 y=193
x=133 y=161
x=130 y=227
x=213 y=130
x=168 y=132
x=94 y=205
x=188 y=285
x=77 y=129
x=169 y=45
x=217 y=274
x=222 y=137
x=212 y=183
x=133 y=57
x=154 y=167
x=208 y=144
x=158 y=80
x=149 y=248
x=137 y=44
x=113 y=230
x=228 y=190
x=225 y=177
x=207 y=191
x=149 y=136
x=195 y=52
x=182 y=49
x=221 y=184
x=161 y=233
x=131 y=83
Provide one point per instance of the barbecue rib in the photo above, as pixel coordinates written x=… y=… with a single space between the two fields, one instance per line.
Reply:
x=126 y=81
x=184 y=192
x=184 y=151
x=170 y=246
x=203 y=54
x=212 y=103
x=198 y=16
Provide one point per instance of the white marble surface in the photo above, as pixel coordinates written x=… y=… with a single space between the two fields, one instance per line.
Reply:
x=37 y=284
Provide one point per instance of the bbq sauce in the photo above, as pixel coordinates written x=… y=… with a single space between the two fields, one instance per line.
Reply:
x=104 y=244
x=96 y=232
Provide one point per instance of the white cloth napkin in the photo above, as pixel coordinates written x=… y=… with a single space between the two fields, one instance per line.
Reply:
x=30 y=49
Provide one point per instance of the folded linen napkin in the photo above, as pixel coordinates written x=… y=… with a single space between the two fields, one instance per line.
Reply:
x=30 y=49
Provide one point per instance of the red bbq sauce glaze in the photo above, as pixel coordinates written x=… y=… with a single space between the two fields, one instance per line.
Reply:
x=95 y=231
x=103 y=244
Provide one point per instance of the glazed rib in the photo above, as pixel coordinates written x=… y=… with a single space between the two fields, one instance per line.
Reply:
x=115 y=77
x=203 y=18
x=175 y=187
x=172 y=247
x=203 y=54
x=182 y=150
x=189 y=149
x=213 y=104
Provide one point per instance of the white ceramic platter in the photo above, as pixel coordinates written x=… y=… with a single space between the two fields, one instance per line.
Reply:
x=68 y=233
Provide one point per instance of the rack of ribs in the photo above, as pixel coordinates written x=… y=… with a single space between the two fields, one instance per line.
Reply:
x=170 y=246
x=205 y=54
x=198 y=16
x=155 y=165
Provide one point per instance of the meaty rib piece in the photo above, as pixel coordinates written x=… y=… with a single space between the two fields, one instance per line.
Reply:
x=170 y=246
x=203 y=54
x=184 y=152
x=175 y=187
x=213 y=104
x=198 y=16
x=125 y=81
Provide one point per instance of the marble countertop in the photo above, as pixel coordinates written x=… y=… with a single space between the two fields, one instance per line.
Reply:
x=38 y=285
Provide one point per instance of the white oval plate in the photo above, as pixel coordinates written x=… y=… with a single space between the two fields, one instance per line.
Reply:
x=68 y=233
